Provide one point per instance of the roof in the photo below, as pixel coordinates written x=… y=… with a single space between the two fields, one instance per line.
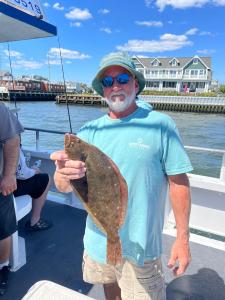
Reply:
x=4 y=73
x=165 y=61
x=17 y=24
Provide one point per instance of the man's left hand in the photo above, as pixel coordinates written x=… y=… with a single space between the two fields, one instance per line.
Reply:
x=180 y=256
x=8 y=184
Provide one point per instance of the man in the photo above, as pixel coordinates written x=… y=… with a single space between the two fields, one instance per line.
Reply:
x=10 y=128
x=146 y=147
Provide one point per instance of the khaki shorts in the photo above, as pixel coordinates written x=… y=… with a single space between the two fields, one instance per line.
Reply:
x=136 y=283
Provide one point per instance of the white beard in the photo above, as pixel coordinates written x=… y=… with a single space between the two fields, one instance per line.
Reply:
x=116 y=104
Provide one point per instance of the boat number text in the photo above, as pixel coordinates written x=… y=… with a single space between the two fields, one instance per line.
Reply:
x=31 y=6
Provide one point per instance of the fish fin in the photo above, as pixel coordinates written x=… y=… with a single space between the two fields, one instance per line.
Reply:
x=124 y=193
x=114 y=252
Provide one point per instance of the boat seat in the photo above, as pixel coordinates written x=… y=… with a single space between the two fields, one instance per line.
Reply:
x=23 y=205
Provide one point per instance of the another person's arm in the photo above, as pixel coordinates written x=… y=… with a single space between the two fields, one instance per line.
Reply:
x=10 y=156
x=181 y=204
x=66 y=170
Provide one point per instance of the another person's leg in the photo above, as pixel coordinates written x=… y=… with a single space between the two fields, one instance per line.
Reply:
x=8 y=226
x=37 y=187
x=5 y=246
x=38 y=203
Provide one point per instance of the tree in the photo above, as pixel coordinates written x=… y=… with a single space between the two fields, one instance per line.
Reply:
x=222 y=88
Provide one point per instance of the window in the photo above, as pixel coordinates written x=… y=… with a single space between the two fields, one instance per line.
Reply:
x=194 y=73
x=174 y=62
x=152 y=84
x=155 y=62
x=195 y=61
x=169 y=84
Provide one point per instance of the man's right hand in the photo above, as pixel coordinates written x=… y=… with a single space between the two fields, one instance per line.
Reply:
x=8 y=184
x=66 y=170
x=70 y=169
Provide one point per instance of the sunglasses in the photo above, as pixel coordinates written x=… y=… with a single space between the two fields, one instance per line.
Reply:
x=108 y=81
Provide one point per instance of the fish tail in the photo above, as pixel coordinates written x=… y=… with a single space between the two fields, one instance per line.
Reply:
x=114 y=252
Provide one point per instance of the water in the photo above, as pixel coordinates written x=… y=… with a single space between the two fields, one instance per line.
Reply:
x=202 y=130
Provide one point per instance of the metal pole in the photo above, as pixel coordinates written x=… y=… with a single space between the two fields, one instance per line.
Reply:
x=37 y=140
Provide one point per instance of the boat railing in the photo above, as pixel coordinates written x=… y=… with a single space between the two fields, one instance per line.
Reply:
x=194 y=148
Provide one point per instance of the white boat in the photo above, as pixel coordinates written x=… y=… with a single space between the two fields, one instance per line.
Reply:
x=63 y=243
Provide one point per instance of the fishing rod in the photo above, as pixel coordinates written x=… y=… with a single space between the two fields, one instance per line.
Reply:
x=64 y=83
x=12 y=80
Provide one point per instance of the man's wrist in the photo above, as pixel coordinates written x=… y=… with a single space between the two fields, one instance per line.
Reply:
x=183 y=234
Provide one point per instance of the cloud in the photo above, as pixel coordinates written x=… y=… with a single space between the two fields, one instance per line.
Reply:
x=149 y=23
x=106 y=30
x=78 y=14
x=68 y=54
x=206 y=33
x=76 y=24
x=52 y=61
x=26 y=64
x=57 y=6
x=206 y=51
x=219 y=2
x=181 y=4
x=191 y=31
x=46 y=4
x=14 y=54
x=167 y=42
x=104 y=11
x=148 y=3
x=194 y=31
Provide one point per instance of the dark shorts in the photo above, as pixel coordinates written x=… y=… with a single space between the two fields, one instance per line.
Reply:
x=8 y=224
x=34 y=186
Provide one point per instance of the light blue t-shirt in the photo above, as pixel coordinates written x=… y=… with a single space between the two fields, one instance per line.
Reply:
x=146 y=147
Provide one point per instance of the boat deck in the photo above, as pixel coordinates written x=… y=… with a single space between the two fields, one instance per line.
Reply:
x=56 y=255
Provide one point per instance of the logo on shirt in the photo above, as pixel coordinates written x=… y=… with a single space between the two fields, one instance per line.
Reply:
x=139 y=144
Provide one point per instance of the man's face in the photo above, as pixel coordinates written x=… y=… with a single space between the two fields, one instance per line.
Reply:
x=119 y=96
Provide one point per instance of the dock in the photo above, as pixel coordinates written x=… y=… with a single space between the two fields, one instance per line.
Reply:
x=28 y=96
x=81 y=99
x=169 y=103
x=187 y=103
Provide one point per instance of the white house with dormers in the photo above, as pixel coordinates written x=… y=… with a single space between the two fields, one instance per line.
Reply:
x=181 y=74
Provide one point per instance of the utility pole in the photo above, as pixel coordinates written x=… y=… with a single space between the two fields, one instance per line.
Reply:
x=49 y=74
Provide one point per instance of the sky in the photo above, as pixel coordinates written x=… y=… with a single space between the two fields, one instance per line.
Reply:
x=90 y=29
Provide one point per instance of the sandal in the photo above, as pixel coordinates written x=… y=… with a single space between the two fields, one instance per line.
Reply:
x=4 y=279
x=40 y=225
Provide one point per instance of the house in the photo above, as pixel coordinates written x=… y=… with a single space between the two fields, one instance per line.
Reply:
x=73 y=87
x=181 y=74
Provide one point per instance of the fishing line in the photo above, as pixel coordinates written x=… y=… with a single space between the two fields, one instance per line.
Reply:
x=13 y=86
x=64 y=82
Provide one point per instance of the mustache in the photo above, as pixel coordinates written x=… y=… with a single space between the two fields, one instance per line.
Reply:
x=117 y=94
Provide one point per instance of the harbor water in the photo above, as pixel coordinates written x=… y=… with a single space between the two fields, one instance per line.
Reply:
x=200 y=130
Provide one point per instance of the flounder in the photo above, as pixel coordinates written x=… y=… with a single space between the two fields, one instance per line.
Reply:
x=103 y=192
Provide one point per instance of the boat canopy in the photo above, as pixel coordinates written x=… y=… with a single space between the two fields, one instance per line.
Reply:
x=23 y=23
